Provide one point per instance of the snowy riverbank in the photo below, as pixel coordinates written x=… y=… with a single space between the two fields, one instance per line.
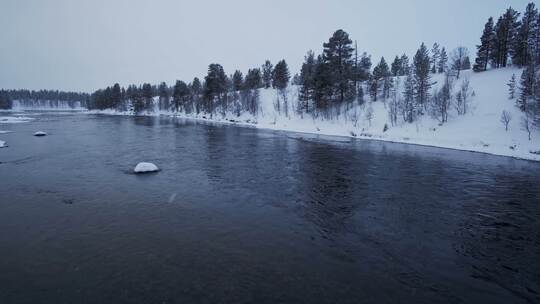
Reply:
x=480 y=130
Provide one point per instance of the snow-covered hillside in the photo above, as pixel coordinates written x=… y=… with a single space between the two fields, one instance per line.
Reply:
x=479 y=130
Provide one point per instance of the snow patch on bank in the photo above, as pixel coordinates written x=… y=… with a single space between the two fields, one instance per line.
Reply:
x=14 y=119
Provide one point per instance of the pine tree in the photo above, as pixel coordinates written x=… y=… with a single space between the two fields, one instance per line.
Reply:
x=380 y=72
x=421 y=68
x=253 y=79
x=505 y=33
x=147 y=94
x=483 y=52
x=237 y=80
x=215 y=86
x=364 y=67
x=307 y=74
x=523 y=42
x=116 y=96
x=180 y=94
x=443 y=61
x=408 y=110
x=163 y=92
x=404 y=68
x=281 y=75
x=396 y=66
x=512 y=87
x=337 y=54
x=267 y=70
x=435 y=56
x=528 y=88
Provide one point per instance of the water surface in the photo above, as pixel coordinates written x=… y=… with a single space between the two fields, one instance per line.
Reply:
x=241 y=215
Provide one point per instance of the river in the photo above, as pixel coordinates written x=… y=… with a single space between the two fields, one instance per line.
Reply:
x=243 y=215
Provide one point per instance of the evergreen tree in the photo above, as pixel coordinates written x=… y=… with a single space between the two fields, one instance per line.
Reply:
x=5 y=100
x=267 y=70
x=404 y=68
x=528 y=90
x=396 y=66
x=505 y=32
x=484 y=50
x=337 y=54
x=443 y=62
x=512 y=84
x=215 y=86
x=421 y=68
x=322 y=85
x=280 y=75
x=253 y=79
x=180 y=95
x=435 y=56
x=380 y=73
x=409 y=109
x=523 y=42
x=364 y=66
x=196 y=89
x=116 y=96
x=237 y=80
x=307 y=84
x=147 y=93
x=163 y=92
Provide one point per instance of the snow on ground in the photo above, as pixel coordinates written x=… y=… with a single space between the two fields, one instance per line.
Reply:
x=3 y=144
x=14 y=119
x=479 y=130
x=145 y=168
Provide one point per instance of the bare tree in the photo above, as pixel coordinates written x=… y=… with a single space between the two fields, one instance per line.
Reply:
x=459 y=56
x=506 y=117
x=463 y=97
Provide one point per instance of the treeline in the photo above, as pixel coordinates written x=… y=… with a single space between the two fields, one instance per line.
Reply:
x=8 y=96
x=217 y=93
x=515 y=41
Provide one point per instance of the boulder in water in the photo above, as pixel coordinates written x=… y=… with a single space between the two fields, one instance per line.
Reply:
x=145 y=168
x=3 y=144
x=40 y=133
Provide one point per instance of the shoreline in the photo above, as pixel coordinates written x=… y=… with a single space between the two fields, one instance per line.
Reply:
x=533 y=157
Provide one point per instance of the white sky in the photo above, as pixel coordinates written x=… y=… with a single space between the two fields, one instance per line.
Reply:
x=89 y=44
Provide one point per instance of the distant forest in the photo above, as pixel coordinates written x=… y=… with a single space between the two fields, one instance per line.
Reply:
x=341 y=76
x=7 y=96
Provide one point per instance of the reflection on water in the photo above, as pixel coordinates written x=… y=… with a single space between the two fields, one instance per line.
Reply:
x=247 y=215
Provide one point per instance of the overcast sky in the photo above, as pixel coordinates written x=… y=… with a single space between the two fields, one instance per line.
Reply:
x=85 y=45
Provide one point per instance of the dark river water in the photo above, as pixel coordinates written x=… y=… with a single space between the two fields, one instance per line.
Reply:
x=240 y=215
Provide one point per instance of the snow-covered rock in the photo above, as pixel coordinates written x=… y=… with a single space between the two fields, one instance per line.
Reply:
x=40 y=133
x=14 y=119
x=145 y=168
x=3 y=144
